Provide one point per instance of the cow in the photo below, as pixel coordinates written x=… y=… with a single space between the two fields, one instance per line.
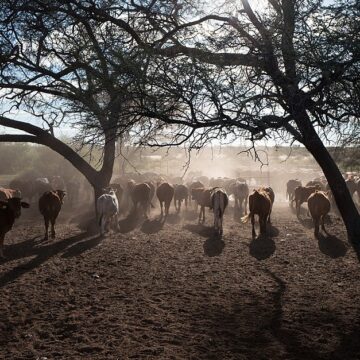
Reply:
x=181 y=193
x=140 y=194
x=165 y=193
x=259 y=204
x=10 y=209
x=194 y=185
x=49 y=206
x=219 y=202
x=302 y=193
x=203 y=198
x=317 y=183
x=291 y=185
x=241 y=194
x=108 y=208
x=319 y=207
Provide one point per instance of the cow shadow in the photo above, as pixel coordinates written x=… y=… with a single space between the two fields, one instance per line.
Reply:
x=272 y=231
x=151 y=226
x=262 y=247
x=40 y=253
x=199 y=229
x=331 y=246
x=214 y=245
x=129 y=223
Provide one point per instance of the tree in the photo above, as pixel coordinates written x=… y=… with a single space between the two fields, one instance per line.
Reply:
x=57 y=66
x=290 y=71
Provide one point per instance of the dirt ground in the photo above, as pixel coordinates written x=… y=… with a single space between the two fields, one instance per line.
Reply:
x=178 y=292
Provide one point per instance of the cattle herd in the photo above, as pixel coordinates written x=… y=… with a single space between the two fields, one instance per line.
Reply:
x=131 y=196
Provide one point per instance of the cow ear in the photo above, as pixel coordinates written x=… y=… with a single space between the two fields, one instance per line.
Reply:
x=25 y=204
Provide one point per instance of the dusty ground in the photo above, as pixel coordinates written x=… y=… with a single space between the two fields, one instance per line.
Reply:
x=179 y=293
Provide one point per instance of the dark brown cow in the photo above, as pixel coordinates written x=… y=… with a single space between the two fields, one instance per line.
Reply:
x=10 y=209
x=50 y=205
x=319 y=207
x=141 y=194
x=259 y=204
x=302 y=193
x=181 y=193
x=291 y=185
x=165 y=193
x=203 y=198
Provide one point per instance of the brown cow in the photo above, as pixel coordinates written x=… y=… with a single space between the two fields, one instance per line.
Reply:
x=259 y=204
x=319 y=207
x=50 y=205
x=10 y=209
x=203 y=198
x=140 y=194
x=181 y=193
x=165 y=193
x=302 y=193
x=291 y=185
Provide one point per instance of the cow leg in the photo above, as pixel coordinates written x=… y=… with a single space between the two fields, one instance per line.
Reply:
x=2 y=237
x=316 y=225
x=167 y=206
x=322 y=223
x=53 y=220
x=246 y=205
x=46 y=220
x=162 y=211
x=252 y=217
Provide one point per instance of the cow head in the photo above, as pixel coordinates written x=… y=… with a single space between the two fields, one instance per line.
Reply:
x=14 y=205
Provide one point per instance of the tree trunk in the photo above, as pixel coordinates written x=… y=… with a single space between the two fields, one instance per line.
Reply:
x=343 y=199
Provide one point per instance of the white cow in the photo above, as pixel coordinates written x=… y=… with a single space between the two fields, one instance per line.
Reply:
x=108 y=208
x=219 y=201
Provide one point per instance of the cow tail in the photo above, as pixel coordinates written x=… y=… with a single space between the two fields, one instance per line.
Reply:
x=100 y=219
x=246 y=218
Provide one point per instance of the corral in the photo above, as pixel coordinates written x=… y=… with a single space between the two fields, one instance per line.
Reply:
x=177 y=292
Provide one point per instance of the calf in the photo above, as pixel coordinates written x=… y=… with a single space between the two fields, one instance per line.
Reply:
x=219 y=202
x=50 y=205
x=165 y=193
x=319 y=207
x=259 y=204
x=302 y=193
x=181 y=193
x=108 y=209
x=203 y=198
x=10 y=210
